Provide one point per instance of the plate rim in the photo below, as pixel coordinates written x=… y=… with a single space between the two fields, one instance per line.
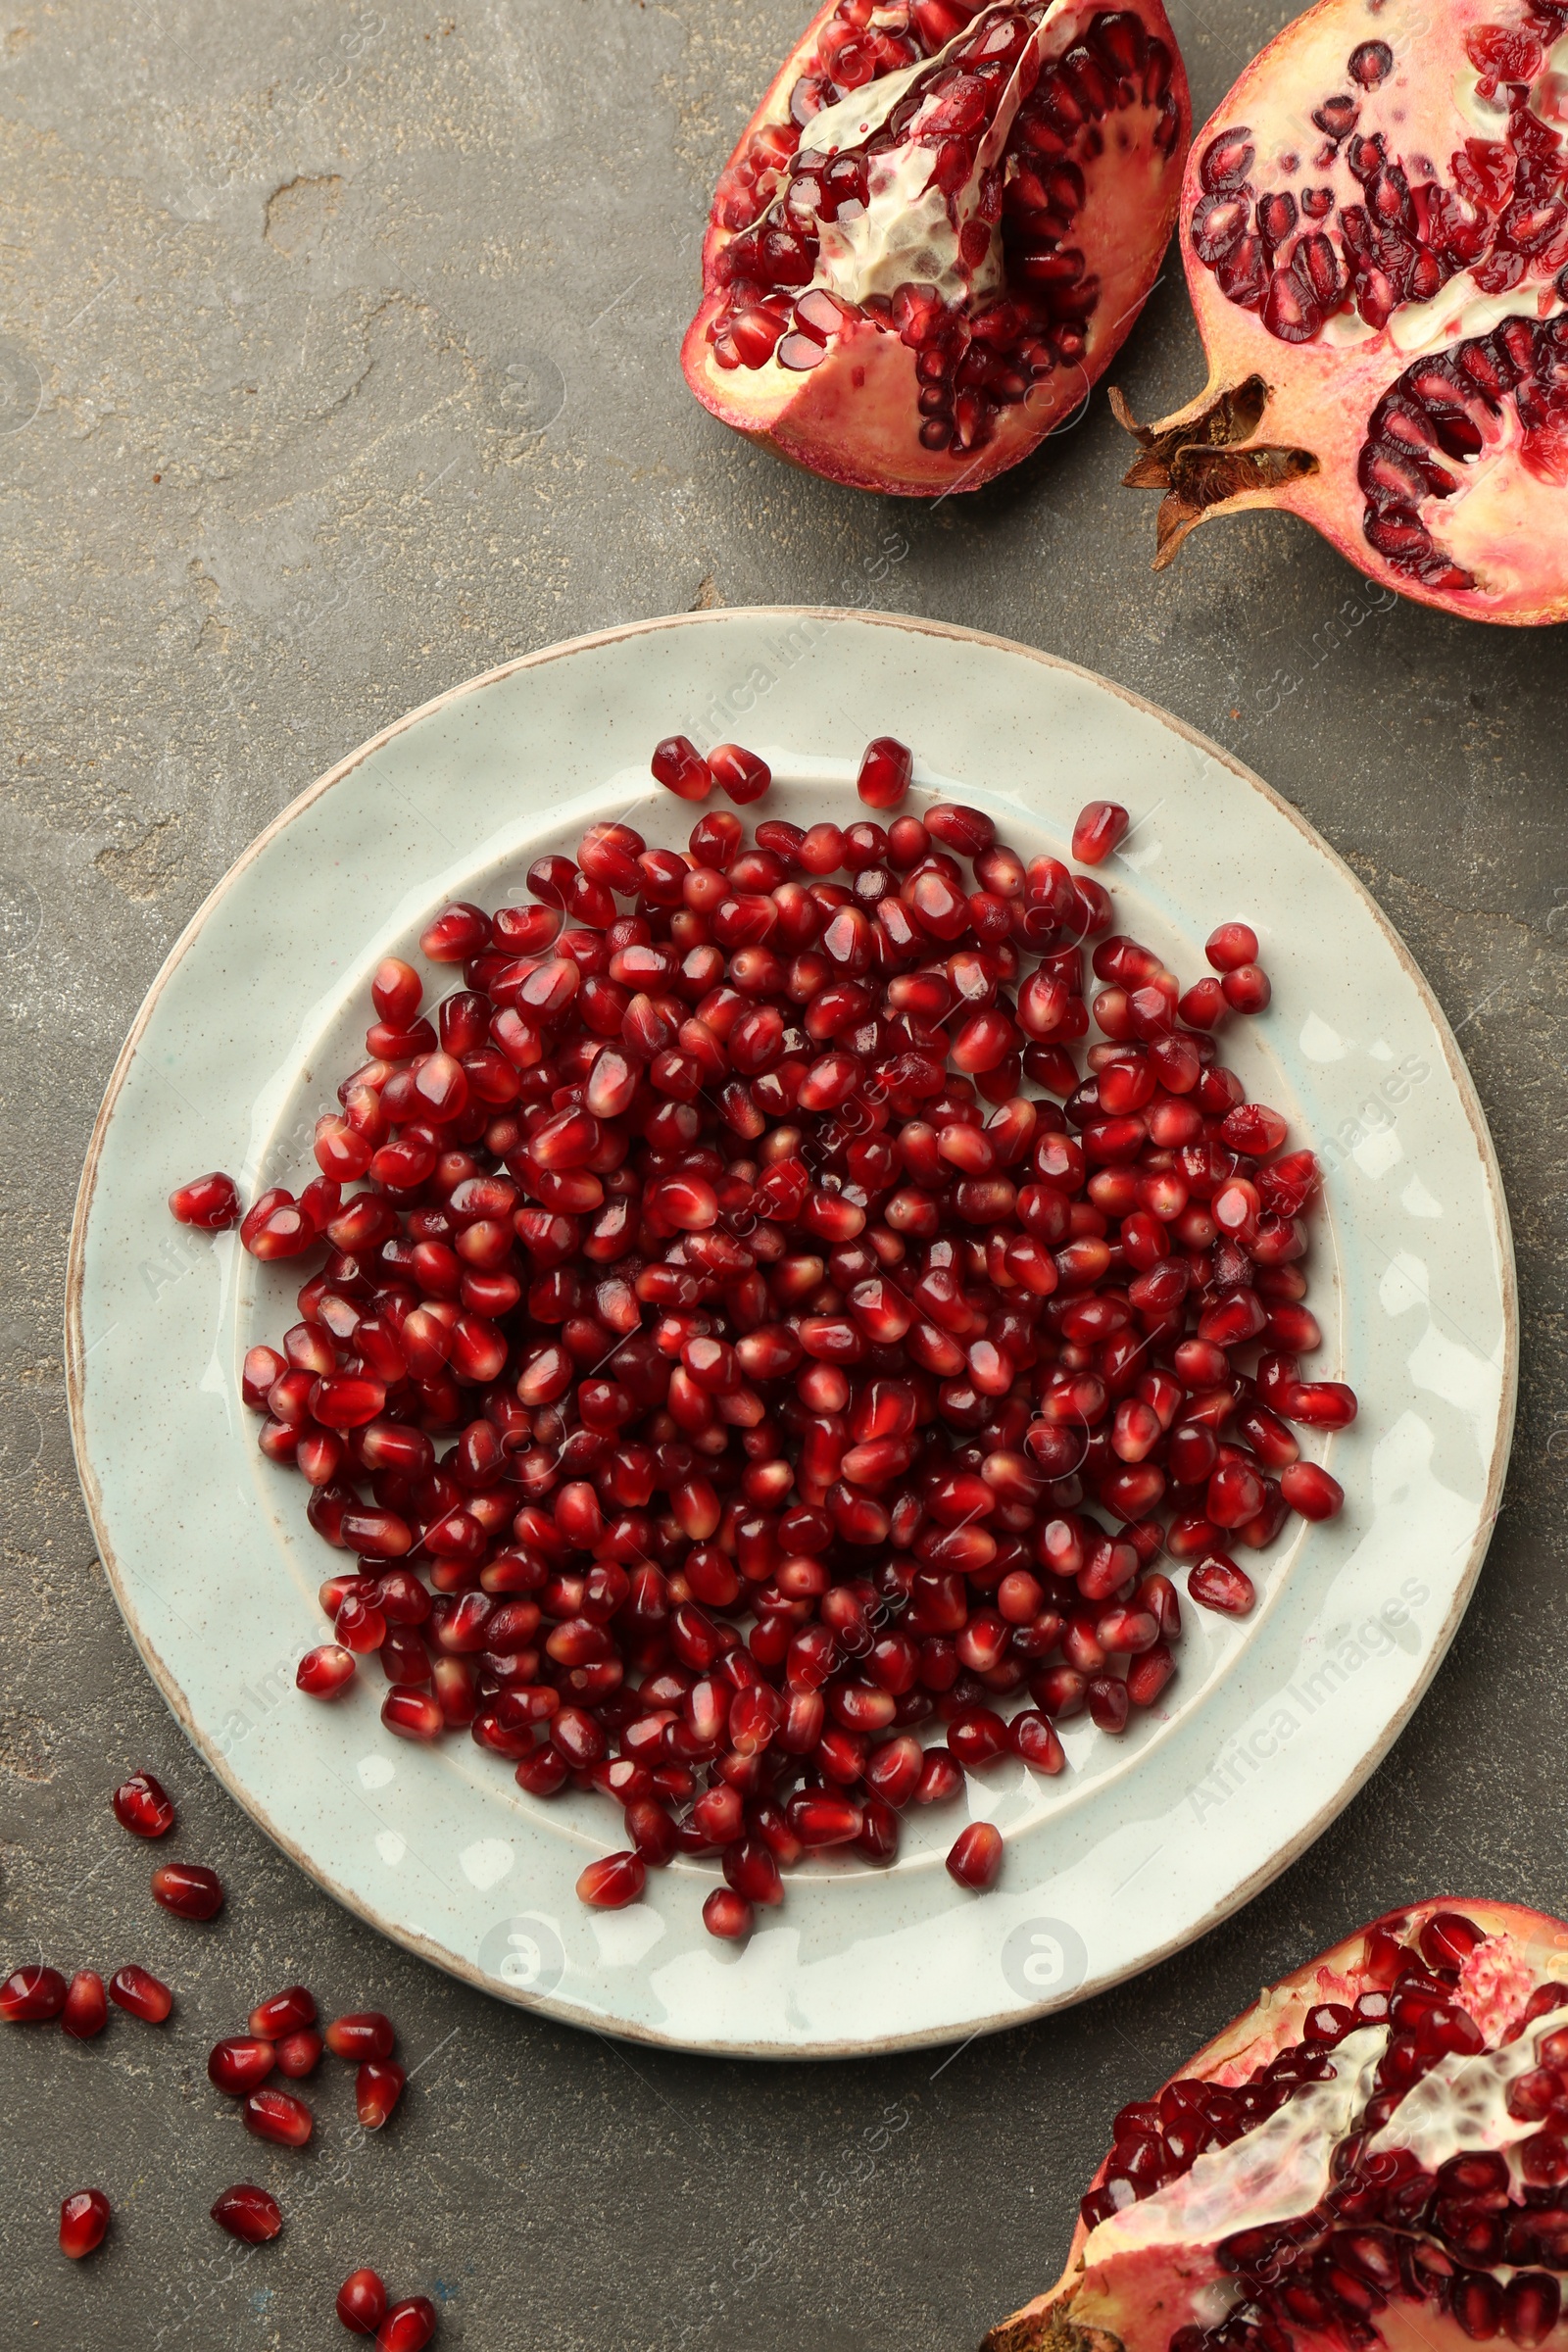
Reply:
x=915 y=625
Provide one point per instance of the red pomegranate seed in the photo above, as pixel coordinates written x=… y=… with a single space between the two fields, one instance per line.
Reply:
x=142 y=1993
x=1220 y=1585
x=739 y=772
x=1231 y=944
x=728 y=1915
x=188 y=1888
x=250 y=2214
x=612 y=1884
x=281 y=2013
x=210 y=1203
x=143 y=1806
x=31 y=1995
x=87 y=2008
x=325 y=1671
x=1309 y=1489
x=236 y=2066
x=1246 y=989
x=408 y=2326
x=299 y=2054
x=1101 y=826
x=975 y=1859
x=680 y=767
x=363 y=2034
x=362 y=2302
x=277 y=2115
x=377 y=2088
x=886 y=766
x=1320 y=1403
x=84 y=2219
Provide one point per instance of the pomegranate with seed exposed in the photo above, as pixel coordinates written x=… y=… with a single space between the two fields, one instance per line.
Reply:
x=1375 y=231
x=1373 y=2155
x=935 y=231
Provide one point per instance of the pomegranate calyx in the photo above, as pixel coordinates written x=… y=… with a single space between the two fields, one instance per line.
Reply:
x=1199 y=463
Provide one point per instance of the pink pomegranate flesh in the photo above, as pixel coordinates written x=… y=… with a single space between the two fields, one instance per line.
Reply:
x=935 y=232
x=1376 y=2153
x=1375 y=229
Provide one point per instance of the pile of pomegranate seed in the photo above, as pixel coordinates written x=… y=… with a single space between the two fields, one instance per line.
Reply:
x=282 y=2038
x=755 y=1339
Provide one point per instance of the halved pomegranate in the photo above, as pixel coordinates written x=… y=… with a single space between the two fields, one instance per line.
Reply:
x=1375 y=227
x=1374 y=2153
x=936 y=231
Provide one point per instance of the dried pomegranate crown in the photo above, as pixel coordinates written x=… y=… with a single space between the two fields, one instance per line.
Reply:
x=1375 y=229
x=1375 y=2154
x=935 y=232
x=719 y=1248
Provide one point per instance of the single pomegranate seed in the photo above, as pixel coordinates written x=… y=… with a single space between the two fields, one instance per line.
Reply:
x=1320 y=1403
x=1246 y=989
x=728 y=1915
x=277 y=2115
x=142 y=1993
x=299 y=2054
x=236 y=2066
x=86 y=2007
x=1220 y=1585
x=188 y=1888
x=408 y=2326
x=1101 y=827
x=281 y=2013
x=739 y=772
x=378 y=2090
x=31 y=1995
x=84 y=2219
x=975 y=1859
x=1309 y=1489
x=325 y=1671
x=210 y=1203
x=362 y=2302
x=886 y=766
x=143 y=1806
x=680 y=767
x=249 y=2214
x=612 y=1884
x=366 y=2033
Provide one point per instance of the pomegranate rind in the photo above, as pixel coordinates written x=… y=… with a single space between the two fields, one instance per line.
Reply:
x=1283 y=425
x=1136 y=2302
x=853 y=419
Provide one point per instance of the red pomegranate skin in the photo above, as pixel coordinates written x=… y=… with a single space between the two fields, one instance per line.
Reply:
x=938 y=376
x=1142 y=2300
x=1391 y=369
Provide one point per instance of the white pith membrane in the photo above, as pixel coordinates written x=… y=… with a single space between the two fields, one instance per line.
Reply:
x=1488 y=533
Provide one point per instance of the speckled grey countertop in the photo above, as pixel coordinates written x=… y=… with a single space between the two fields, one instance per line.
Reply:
x=337 y=362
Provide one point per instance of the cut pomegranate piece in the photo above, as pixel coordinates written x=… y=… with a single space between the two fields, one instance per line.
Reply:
x=1371 y=2155
x=188 y=1888
x=935 y=232
x=84 y=2220
x=251 y=2215
x=1375 y=249
x=143 y=1806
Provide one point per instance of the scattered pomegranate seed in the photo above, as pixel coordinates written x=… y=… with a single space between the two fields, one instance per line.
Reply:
x=377 y=2089
x=976 y=1856
x=236 y=2066
x=143 y=1806
x=886 y=766
x=323 y=1672
x=210 y=1202
x=299 y=2054
x=250 y=2214
x=1101 y=825
x=777 y=1337
x=362 y=2302
x=277 y=2115
x=142 y=1993
x=281 y=2013
x=367 y=2034
x=188 y=1888
x=86 y=2007
x=408 y=2326
x=614 y=1883
x=1230 y=946
x=1309 y=1489
x=728 y=1915
x=738 y=772
x=31 y=1995
x=84 y=2219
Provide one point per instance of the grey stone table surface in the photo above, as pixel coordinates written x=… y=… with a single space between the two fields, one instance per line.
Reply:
x=338 y=363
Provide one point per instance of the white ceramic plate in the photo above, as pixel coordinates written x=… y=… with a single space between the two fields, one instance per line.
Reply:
x=1145 y=1841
